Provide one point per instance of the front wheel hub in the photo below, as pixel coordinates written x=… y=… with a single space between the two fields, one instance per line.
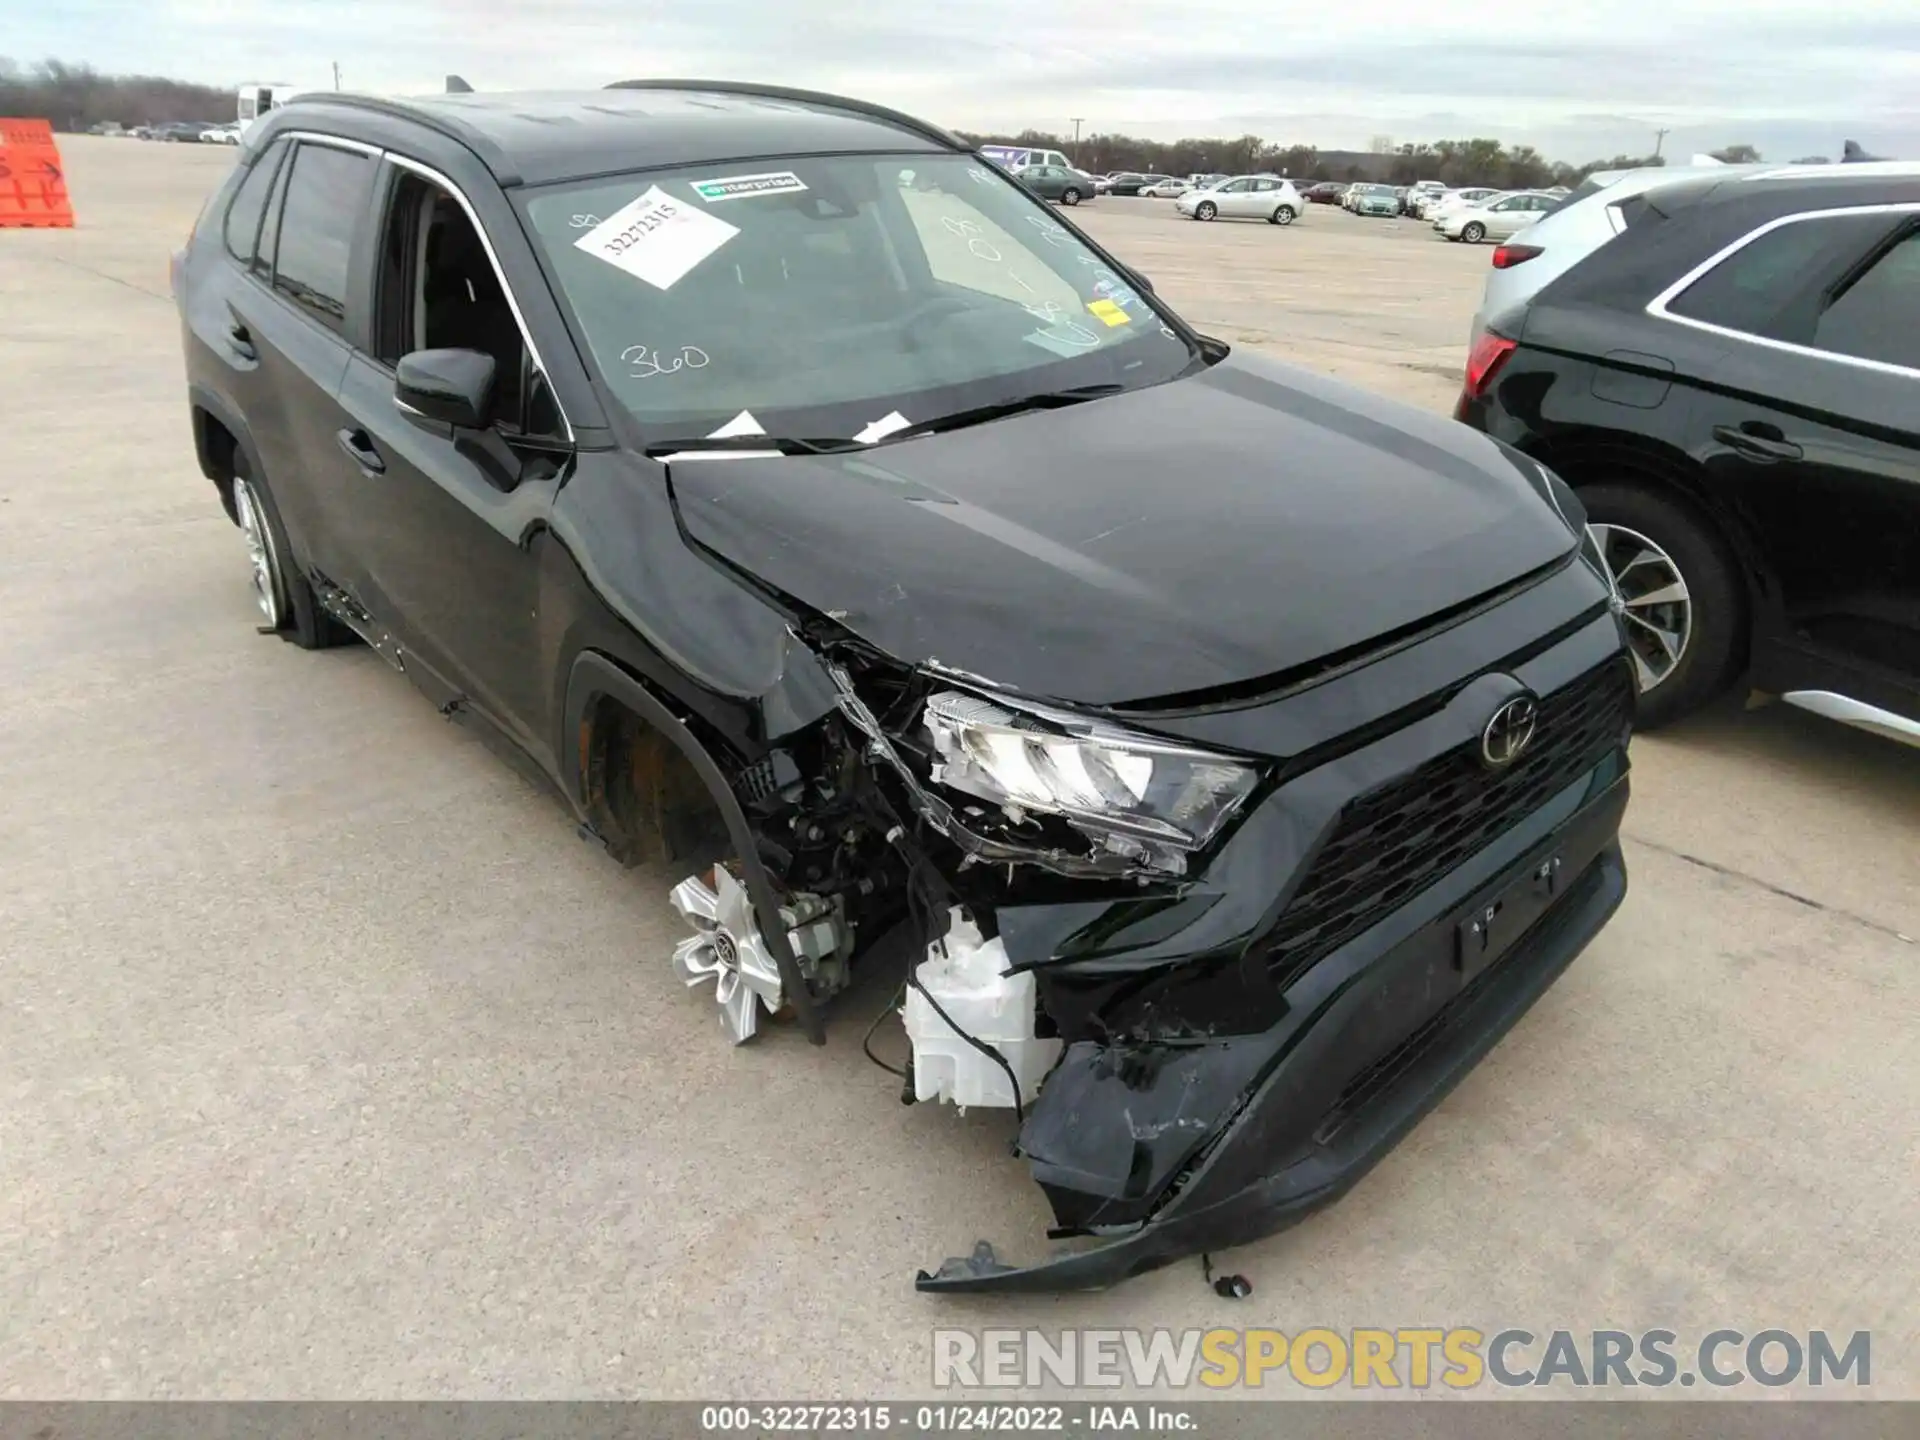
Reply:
x=726 y=947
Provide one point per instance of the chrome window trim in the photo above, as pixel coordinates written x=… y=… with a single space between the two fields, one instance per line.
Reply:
x=1657 y=307
x=337 y=141
x=427 y=172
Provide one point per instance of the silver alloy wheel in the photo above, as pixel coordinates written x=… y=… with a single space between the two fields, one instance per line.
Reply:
x=727 y=948
x=1069 y=197
x=269 y=590
x=1205 y=210
x=1654 y=601
x=1473 y=232
x=1283 y=215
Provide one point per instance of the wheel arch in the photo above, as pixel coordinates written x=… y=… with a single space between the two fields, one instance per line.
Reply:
x=1589 y=457
x=594 y=681
x=218 y=434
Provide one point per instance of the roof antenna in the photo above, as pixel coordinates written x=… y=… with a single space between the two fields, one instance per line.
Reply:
x=457 y=86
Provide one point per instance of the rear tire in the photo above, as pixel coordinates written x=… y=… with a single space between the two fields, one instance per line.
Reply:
x=1282 y=215
x=1069 y=196
x=1644 y=531
x=296 y=614
x=1473 y=232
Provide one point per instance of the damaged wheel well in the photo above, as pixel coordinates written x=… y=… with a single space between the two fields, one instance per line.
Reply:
x=640 y=792
x=613 y=714
x=217 y=446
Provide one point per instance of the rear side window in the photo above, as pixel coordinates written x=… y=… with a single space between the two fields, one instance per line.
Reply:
x=1758 y=289
x=250 y=204
x=326 y=191
x=1877 y=317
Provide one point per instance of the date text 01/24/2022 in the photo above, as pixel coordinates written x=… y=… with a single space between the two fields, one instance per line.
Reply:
x=1086 y=1419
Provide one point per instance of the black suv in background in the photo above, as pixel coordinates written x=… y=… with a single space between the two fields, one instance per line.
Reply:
x=764 y=471
x=1732 y=386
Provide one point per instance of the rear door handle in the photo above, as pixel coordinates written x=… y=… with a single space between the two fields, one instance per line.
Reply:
x=240 y=341
x=1757 y=441
x=359 y=445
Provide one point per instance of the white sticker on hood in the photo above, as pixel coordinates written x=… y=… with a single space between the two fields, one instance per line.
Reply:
x=883 y=427
x=741 y=424
x=657 y=238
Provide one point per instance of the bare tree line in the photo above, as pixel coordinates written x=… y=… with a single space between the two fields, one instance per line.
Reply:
x=75 y=97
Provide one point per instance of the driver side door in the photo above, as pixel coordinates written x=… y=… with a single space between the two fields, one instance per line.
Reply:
x=450 y=526
x=1234 y=198
x=1510 y=217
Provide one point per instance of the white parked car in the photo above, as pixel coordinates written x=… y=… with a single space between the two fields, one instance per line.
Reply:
x=220 y=135
x=1496 y=219
x=1421 y=193
x=1466 y=197
x=1245 y=197
x=1170 y=188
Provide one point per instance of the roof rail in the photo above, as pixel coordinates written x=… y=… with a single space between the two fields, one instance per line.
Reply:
x=455 y=129
x=809 y=97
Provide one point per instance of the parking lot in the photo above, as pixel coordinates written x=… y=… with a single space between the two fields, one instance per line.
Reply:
x=332 y=1064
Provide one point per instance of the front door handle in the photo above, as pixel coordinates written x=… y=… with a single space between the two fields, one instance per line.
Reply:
x=359 y=445
x=1757 y=441
x=240 y=341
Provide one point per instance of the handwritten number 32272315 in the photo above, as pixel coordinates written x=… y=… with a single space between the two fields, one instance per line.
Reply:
x=644 y=224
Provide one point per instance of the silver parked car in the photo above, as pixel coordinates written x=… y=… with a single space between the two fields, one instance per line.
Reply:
x=1495 y=219
x=1245 y=197
x=1168 y=187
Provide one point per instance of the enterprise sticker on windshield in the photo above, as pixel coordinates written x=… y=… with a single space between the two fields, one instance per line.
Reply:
x=1108 y=313
x=657 y=238
x=737 y=187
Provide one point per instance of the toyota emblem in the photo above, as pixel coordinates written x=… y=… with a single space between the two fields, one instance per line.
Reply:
x=1509 y=732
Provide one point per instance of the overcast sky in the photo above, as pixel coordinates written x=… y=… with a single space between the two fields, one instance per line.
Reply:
x=1794 y=77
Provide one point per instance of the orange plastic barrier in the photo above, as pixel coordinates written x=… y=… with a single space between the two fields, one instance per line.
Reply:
x=33 y=187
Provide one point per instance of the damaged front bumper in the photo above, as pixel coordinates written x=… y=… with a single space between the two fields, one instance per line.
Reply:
x=1228 y=1071
x=1292 y=1118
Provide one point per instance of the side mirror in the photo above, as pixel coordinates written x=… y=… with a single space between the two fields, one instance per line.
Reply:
x=450 y=387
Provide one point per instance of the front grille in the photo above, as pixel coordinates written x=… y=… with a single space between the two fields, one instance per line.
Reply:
x=1391 y=843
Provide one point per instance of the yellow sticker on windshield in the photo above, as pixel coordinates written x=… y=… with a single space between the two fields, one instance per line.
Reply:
x=1109 y=313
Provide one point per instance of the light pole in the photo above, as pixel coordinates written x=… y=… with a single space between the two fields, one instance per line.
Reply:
x=1659 y=139
x=1076 y=137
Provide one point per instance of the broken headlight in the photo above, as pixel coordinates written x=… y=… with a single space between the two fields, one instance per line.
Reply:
x=1138 y=796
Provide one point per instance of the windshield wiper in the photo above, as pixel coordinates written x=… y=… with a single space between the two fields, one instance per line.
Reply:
x=1000 y=409
x=958 y=419
x=721 y=444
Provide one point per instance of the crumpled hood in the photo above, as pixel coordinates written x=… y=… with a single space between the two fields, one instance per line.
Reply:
x=1244 y=522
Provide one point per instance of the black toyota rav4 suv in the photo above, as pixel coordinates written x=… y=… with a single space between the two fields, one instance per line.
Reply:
x=764 y=470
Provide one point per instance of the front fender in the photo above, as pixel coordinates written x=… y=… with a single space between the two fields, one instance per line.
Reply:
x=595 y=676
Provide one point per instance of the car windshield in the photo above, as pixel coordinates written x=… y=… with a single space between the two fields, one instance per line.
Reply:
x=838 y=296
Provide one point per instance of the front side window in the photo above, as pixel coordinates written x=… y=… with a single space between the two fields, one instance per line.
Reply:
x=326 y=191
x=1877 y=317
x=822 y=295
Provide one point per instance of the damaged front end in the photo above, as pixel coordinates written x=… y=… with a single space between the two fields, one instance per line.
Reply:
x=1214 y=987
